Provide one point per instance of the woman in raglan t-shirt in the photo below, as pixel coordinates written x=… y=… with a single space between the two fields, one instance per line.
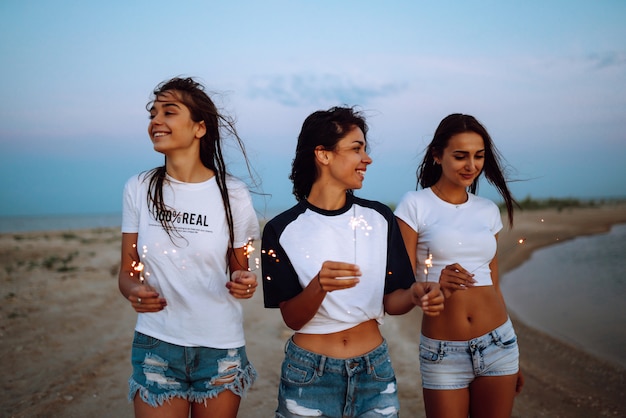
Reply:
x=334 y=264
x=185 y=229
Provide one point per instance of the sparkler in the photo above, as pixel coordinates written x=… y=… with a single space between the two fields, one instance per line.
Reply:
x=428 y=263
x=358 y=223
x=248 y=251
x=138 y=266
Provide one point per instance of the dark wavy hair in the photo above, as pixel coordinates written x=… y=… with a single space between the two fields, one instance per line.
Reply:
x=192 y=94
x=429 y=172
x=321 y=128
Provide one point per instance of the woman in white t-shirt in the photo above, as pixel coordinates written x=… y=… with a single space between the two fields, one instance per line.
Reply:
x=184 y=267
x=335 y=264
x=469 y=358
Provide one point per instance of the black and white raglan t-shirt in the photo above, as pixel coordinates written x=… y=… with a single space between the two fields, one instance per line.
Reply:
x=298 y=241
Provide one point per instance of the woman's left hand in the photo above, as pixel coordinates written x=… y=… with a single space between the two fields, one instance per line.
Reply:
x=242 y=284
x=429 y=296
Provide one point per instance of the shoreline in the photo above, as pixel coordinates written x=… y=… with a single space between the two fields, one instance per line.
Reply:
x=66 y=331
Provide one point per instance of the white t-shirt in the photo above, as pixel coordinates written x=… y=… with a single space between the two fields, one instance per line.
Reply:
x=190 y=268
x=463 y=234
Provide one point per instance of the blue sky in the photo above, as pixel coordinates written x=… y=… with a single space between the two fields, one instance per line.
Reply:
x=548 y=80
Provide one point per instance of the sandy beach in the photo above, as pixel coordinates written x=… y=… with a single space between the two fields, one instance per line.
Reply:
x=65 y=331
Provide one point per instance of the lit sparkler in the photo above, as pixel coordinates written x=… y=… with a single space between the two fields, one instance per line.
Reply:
x=357 y=223
x=139 y=267
x=248 y=251
x=428 y=263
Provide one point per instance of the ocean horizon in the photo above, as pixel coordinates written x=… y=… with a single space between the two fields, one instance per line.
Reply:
x=35 y=223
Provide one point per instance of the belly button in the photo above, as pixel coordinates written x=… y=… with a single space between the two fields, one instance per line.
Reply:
x=469 y=319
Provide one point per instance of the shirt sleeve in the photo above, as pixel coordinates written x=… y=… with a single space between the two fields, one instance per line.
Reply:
x=406 y=210
x=280 y=281
x=399 y=270
x=130 y=206
x=246 y=223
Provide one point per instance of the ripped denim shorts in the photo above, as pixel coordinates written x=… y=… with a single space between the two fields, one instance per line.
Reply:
x=313 y=385
x=162 y=371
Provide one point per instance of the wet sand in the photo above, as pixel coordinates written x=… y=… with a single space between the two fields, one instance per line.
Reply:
x=65 y=331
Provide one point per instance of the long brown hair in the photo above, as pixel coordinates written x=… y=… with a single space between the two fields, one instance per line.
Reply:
x=202 y=108
x=429 y=172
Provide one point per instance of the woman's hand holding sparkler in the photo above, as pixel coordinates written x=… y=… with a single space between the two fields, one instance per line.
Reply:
x=428 y=296
x=242 y=284
x=337 y=275
x=454 y=277
x=145 y=299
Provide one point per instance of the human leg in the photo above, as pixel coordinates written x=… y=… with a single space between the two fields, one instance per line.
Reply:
x=173 y=408
x=493 y=391
x=224 y=405
x=451 y=403
x=492 y=396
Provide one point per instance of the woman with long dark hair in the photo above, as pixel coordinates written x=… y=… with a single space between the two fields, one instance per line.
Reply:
x=469 y=359
x=184 y=267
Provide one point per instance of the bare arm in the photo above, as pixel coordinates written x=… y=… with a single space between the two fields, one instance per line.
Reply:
x=142 y=297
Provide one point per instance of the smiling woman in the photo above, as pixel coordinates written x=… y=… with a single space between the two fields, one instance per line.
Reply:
x=185 y=226
x=452 y=232
x=334 y=264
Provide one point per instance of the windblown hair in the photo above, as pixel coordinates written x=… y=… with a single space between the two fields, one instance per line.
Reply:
x=321 y=128
x=201 y=108
x=429 y=172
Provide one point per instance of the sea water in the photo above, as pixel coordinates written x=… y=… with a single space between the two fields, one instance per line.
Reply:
x=58 y=222
x=576 y=292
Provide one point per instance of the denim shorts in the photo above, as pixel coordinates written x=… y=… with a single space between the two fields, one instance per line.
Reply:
x=313 y=385
x=455 y=364
x=162 y=371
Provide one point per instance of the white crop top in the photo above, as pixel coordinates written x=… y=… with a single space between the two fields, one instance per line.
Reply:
x=448 y=233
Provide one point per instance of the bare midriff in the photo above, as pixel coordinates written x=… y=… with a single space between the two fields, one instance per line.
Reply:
x=349 y=343
x=467 y=314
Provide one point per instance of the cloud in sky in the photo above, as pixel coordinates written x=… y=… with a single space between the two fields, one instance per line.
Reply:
x=313 y=89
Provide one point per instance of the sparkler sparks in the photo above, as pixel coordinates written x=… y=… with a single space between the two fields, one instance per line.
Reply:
x=428 y=263
x=138 y=266
x=248 y=251
x=358 y=223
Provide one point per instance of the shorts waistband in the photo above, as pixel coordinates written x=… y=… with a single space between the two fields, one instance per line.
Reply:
x=478 y=342
x=322 y=362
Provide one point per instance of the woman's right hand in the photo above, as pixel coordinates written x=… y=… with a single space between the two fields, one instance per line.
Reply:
x=337 y=275
x=144 y=298
x=454 y=277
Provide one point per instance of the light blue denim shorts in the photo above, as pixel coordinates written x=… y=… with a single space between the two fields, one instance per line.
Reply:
x=455 y=364
x=162 y=371
x=313 y=385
